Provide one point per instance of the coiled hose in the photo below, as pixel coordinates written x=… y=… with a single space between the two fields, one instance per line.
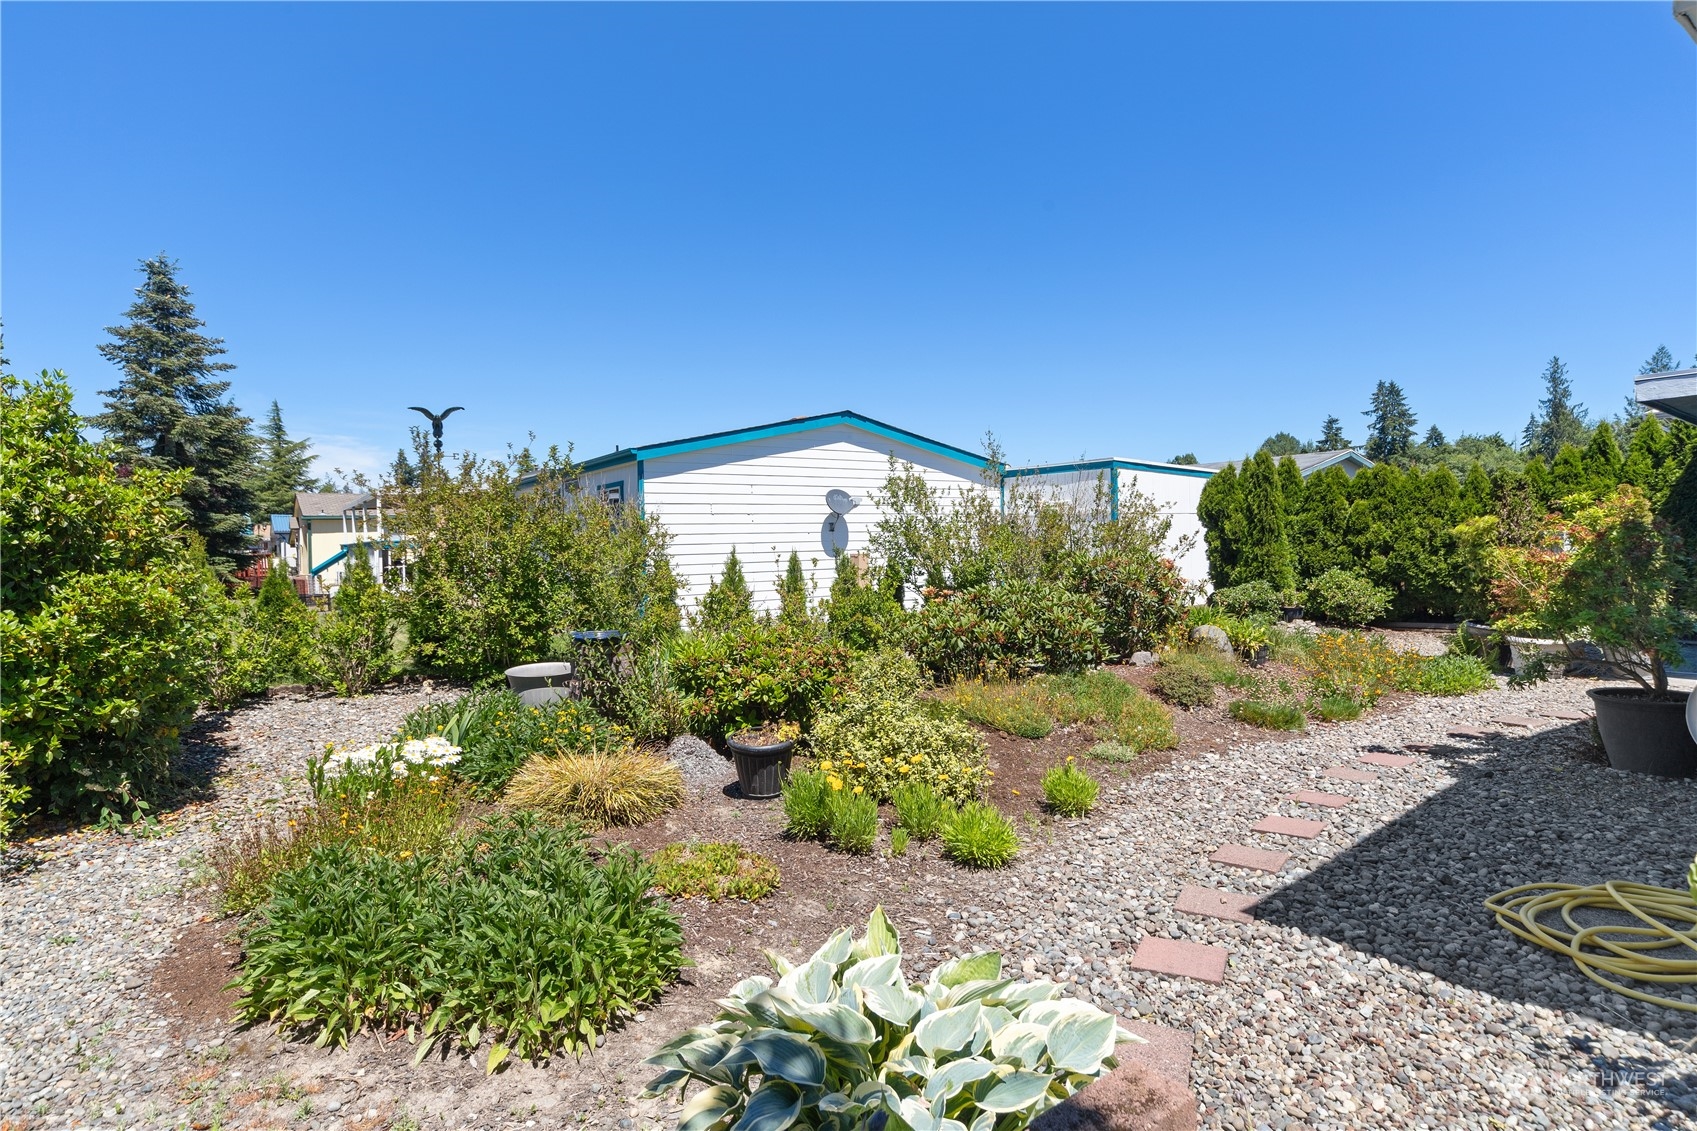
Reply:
x=1604 y=952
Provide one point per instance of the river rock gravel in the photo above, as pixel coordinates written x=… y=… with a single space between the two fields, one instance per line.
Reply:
x=1371 y=989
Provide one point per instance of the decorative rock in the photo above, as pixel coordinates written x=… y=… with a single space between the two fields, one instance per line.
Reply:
x=1216 y=904
x=1214 y=636
x=1142 y=659
x=1130 y=1098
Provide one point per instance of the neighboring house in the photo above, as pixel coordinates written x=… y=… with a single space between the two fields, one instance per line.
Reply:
x=1674 y=393
x=1308 y=463
x=271 y=539
x=1175 y=488
x=762 y=490
x=325 y=528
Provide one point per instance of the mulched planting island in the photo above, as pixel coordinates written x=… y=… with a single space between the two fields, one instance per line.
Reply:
x=1369 y=989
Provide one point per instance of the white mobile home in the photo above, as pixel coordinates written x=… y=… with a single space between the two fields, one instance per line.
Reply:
x=1175 y=488
x=763 y=491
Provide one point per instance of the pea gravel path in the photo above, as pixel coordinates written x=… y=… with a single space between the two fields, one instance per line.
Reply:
x=1371 y=990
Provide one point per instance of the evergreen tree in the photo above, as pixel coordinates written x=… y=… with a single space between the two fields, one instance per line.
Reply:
x=1290 y=485
x=1645 y=457
x=1390 y=429
x=728 y=601
x=1319 y=524
x=1477 y=496
x=1604 y=464
x=1659 y=362
x=169 y=411
x=284 y=466
x=1558 y=420
x=288 y=624
x=1331 y=438
x=1266 y=537
x=403 y=472
x=1568 y=475
x=1188 y=459
x=792 y=593
x=1536 y=478
x=1220 y=510
x=1434 y=440
x=1281 y=444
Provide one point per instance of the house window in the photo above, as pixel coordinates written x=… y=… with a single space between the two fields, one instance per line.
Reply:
x=613 y=494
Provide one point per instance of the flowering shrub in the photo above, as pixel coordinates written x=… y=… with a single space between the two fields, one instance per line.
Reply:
x=498 y=733
x=373 y=771
x=1355 y=666
x=881 y=736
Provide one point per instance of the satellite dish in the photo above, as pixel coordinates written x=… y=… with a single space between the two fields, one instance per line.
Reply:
x=840 y=502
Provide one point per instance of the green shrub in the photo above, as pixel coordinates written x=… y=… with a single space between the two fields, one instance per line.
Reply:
x=631 y=688
x=503 y=556
x=880 y=736
x=241 y=656
x=106 y=608
x=1251 y=600
x=1337 y=708
x=516 y=933
x=739 y=679
x=1185 y=680
x=728 y=603
x=898 y=841
x=1112 y=752
x=863 y=618
x=1246 y=635
x=944 y=1054
x=291 y=628
x=615 y=786
x=1139 y=596
x=1069 y=790
x=714 y=870
x=1449 y=675
x=497 y=733
x=1342 y=596
x=806 y=815
x=978 y=836
x=1274 y=716
x=919 y=810
x=1004 y=629
x=356 y=642
x=851 y=821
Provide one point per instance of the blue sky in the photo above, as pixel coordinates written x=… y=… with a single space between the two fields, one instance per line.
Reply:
x=1132 y=230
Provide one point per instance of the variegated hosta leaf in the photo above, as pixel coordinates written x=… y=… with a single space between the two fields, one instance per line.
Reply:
x=779 y=963
x=896 y=1004
x=955 y=1075
x=947 y=1030
x=1080 y=1042
x=786 y=1057
x=833 y=1019
x=917 y=1115
x=974 y=967
x=1049 y=1012
x=883 y=970
x=708 y=1107
x=1020 y=995
x=1015 y=1092
x=773 y=1107
x=745 y=989
x=979 y=989
x=703 y=1057
x=881 y=937
x=1022 y=1044
x=837 y=948
x=812 y=983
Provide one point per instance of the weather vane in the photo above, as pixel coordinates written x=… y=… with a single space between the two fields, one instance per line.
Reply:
x=436 y=419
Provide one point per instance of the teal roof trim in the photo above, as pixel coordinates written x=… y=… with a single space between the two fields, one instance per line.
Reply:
x=1111 y=465
x=782 y=428
x=330 y=561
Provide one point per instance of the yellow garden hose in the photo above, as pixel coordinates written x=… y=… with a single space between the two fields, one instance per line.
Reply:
x=1604 y=952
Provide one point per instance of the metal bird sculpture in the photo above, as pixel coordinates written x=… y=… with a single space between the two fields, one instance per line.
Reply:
x=436 y=419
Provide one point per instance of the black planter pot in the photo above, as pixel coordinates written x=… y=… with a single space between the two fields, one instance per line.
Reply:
x=1291 y=612
x=761 y=770
x=1644 y=735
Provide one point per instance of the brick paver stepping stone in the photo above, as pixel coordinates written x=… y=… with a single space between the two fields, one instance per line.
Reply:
x=1289 y=826
x=1517 y=721
x=1389 y=761
x=1164 y=1049
x=1181 y=959
x=1350 y=773
x=1255 y=859
x=1570 y=716
x=1470 y=732
x=1216 y=904
x=1325 y=800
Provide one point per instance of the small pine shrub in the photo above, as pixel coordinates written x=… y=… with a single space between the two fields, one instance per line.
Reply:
x=1449 y=675
x=598 y=787
x=1337 y=708
x=1184 y=681
x=1111 y=752
x=898 y=842
x=1341 y=596
x=1069 y=790
x=978 y=836
x=919 y=810
x=1251 y=600
x=1273 y=716
x=806 y=815
x=853 y=818
x=713 y=869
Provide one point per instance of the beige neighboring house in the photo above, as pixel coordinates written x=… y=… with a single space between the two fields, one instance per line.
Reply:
x=327 y=527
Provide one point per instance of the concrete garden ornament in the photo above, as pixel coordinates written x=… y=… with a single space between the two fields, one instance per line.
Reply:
x=842 y=1041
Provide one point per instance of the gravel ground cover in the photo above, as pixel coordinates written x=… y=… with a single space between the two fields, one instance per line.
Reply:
x=1370 y=991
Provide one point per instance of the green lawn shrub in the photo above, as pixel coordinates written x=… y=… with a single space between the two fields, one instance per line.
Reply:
x=755 y=672
x=1273 y=716
x=979 y=836
x=1069 y=790
x=713 y=870
x=919 y=810
x=1251 y=600
x=1005 y=628
x=1341 y=596
x=515 y=934
x=1186 y=680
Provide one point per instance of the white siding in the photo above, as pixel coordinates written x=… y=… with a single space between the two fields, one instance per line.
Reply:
x=766 y=497
x=1174 y=493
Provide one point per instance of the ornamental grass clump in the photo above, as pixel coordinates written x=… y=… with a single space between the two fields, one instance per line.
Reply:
x=852 y=822
x=617 y=786
x=515 y=934
x=1273 y=716
x=1451 y=674
x=843 y=1042
x=919 y=810
x=806 y=796
x=979 y=836
x=714 y=870
x=1069 y=790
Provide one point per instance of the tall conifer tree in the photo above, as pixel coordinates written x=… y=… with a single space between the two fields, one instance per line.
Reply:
x=169 y=409
x=1390 y=428
x=1559 y=420
x=284 y=466
x=1220 y=510
x=1331 y=436
x=1266 y=535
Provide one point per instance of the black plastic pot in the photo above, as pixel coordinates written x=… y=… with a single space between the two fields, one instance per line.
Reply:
x=761 y=770
x=1291 y=612
x=1643 y=735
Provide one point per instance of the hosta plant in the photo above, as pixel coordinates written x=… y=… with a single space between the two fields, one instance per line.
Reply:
x=842 y=1041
